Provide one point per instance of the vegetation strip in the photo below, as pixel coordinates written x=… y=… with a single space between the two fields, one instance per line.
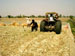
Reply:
x=72 y=24
x=72 y=21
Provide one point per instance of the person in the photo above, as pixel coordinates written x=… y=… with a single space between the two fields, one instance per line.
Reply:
x=51 y=17
x=34 y=25
x=28 y=20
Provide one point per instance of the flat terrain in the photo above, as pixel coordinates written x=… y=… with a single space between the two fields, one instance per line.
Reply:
x=23 y=20
x=19 y=41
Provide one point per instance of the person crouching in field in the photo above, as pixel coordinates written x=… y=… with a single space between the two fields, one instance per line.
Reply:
x=34 y=26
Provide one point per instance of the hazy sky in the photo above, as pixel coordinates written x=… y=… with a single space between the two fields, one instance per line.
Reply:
x=36 y=7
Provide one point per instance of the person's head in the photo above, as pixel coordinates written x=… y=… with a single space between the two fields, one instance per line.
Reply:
x=51 y=15
x=33 y=20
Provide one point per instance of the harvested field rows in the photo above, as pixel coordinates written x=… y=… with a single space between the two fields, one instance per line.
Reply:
x=19 y=41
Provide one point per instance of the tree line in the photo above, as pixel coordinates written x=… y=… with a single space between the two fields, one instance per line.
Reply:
x=33 y=16
x=23 y=16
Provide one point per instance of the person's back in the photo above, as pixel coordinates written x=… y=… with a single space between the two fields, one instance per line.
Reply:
x=34 y=26
x=51 y=17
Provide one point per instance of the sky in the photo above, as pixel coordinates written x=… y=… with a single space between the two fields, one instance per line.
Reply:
x=36 y=7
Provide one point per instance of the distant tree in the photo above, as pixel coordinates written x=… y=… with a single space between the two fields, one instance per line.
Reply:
x=64 y=16
x=60 y=15
x=43 y=16
x=39 y=16
x=24 y=16
x=67 y=16
x=9 y=16
x=19 y=16
x=32 y=16
x=0 y=16
x=71 y=17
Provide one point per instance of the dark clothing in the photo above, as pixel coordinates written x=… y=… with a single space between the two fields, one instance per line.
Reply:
x=34 y=26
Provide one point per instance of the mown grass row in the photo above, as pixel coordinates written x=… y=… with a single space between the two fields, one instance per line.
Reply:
x=72 y=24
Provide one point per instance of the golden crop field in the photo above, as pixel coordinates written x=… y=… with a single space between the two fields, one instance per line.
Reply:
x=19 y=41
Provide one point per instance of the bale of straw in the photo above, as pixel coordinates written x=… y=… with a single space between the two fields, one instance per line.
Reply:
x=23 y=24
x=2 y=24
x=14 y=24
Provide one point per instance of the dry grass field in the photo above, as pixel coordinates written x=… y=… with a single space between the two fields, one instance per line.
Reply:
x=23 y=20
x=19 y=41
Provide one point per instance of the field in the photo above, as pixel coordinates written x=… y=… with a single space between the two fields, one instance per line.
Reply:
x=19 y=41
x=23 y=20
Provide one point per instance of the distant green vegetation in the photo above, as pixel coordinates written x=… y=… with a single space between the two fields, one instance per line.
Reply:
x=33 y=16
x=23 y=16
x=71 y=17
x=72 y=24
